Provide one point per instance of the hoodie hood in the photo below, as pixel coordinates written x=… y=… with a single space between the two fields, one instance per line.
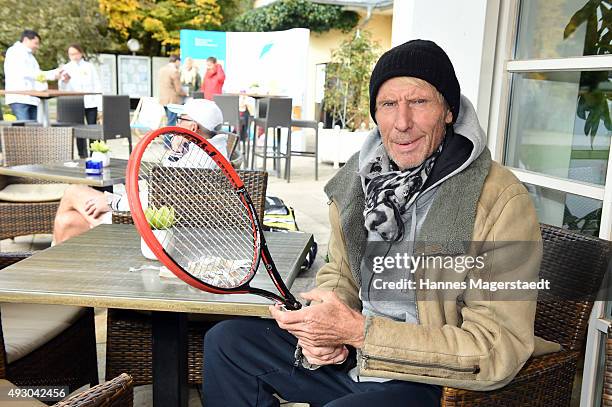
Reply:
x=465 y=141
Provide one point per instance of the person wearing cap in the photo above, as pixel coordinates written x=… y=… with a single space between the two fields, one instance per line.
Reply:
x=83 y=207
x=423 y=187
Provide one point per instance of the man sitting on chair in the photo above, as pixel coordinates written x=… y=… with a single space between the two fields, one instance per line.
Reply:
x=83 y=207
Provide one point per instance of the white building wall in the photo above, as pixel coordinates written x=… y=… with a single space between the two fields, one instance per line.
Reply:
x=465 y=29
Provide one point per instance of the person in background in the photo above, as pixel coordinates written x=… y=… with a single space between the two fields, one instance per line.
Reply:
x=22 y=72
x=214 y=78
x=170 y=90
x=83 y=207
x=80 y=75
x=190 y=77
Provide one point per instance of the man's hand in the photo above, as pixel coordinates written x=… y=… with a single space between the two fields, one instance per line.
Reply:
x=177 y=144
x=96 y=207
x=328 y=324
x=328 y=355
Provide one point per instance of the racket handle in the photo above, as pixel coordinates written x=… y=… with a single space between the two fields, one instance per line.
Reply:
x=291 y=304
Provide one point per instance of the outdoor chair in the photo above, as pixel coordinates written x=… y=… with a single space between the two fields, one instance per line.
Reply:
x=29 y=206
x=229 y=105
x=148 y=116
x=278 y=115
x=236 y=157
x=116 y=122
x=129 y=333
x=46 y=345
x=573 y=263
x=70 y=111
x=312 y=124
x=118 y=392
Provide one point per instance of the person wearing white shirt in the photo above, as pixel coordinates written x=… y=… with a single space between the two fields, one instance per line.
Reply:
x=80 y=75
x=22 y=72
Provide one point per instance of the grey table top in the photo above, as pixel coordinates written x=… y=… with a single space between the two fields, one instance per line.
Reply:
x=58 y=172
x=93 y=270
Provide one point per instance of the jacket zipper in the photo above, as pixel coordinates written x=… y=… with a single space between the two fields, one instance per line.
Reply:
x=474 y=369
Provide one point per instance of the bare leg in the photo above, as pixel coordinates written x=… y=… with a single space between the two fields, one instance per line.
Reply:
x=71 y=218
x=68 y=224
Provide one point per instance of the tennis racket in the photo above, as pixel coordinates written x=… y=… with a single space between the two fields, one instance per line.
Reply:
x=195 y=214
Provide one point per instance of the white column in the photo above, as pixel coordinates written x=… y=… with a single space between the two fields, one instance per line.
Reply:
x=466 y=30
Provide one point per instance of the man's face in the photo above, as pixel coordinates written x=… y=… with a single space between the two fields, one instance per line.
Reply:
x=33 y=43
x=186 y=122
x=411 y=118
x=210 y=65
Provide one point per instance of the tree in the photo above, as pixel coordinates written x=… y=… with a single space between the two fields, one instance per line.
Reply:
x=346 y=90
x=58 y=23
x=157 y=24
x=286 y=14
x=231 y=10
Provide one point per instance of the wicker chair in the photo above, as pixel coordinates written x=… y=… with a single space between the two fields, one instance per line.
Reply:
x=606 y=397
x=31 y=145
x=129 y=335
x=573 y=263
x=117 y=392
x=69 y=359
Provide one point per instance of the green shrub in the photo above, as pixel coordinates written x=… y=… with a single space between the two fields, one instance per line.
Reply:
x=287 y=14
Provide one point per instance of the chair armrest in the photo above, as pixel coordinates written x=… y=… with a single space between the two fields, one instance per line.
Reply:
x=118 y=392
x=543 y=381
x=2 y=354
x=122 y=218
x=8 y=258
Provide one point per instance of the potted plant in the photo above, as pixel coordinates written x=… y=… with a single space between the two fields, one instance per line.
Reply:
x=100 y=151
x=160 y=220
x=346 y=98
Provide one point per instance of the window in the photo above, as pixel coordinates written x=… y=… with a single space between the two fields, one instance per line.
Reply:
x=559 y=124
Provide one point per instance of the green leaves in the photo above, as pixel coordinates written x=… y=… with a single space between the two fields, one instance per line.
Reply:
x=99 y=146
x=594 y=94
x=287 y=14
x=162 y=218
x=346 y=88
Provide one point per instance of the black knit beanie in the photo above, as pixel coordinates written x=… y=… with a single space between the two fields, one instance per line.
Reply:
x=420 y=59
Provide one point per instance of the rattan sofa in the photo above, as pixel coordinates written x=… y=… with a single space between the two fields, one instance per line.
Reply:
x=575 y=264
x=118 y=392
x=31 y=145
x=68 y=359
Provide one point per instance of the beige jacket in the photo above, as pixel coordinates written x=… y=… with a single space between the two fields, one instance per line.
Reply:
x=170 y=90
x=479 y=343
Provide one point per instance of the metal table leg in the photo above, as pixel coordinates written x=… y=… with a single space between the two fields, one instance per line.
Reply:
x=169 y=359
x=45 y=112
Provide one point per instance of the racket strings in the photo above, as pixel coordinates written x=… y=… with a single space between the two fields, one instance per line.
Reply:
x=211 y=234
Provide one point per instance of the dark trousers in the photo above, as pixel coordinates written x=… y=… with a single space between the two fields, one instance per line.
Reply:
x=23 y=111
x=248 y=360
x=91 y=116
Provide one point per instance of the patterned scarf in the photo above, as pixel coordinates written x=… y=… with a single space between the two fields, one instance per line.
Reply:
x=390 y=192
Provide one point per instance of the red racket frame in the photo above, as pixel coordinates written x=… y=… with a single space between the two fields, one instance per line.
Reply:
x=260 y=249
